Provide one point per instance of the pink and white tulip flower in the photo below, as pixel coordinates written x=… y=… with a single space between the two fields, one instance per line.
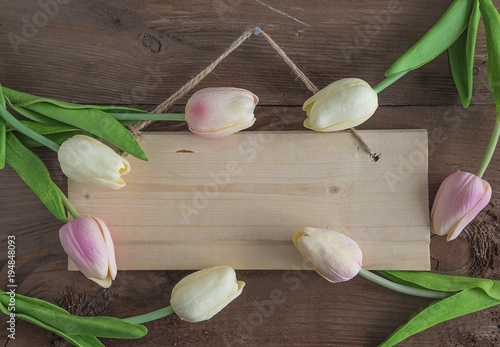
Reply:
x=333 y=255
x=460 y=198
x=219 y=112
x=87 y=241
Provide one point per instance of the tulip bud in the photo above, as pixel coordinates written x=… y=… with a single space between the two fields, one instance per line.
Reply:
x=87 y=241
x=201 y=295
x=343 y=104
x=460 y=198
x=87 y=160
x=219 y=112
x=333 y=255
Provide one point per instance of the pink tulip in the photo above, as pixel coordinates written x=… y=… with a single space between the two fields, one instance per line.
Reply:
x=460 y=198
x=333 y=255
x=219 y=112
x=87 y=241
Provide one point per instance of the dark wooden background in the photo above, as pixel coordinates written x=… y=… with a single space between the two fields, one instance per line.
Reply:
x=139 y=52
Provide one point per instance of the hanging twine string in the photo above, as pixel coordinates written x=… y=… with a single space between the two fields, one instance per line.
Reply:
x=167 y=104
x=313 y=89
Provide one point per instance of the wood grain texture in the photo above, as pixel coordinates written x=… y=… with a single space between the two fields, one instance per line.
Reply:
x=125 y=52
x=42 y=264
x=238 y=201
x=105 y=51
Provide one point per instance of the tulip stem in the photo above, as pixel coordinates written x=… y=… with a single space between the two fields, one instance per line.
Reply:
x=143 y=318
x=69 y=206
x=27 y=131
x=387 y=82
x=426 y=293
x=490 y=149
x=148 y=116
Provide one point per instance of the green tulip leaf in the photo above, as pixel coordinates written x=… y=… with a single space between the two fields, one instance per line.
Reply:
x=45 y=129
x=388 y=274
x=441 y=36
x=61 y=322
x=33 y=171
x=92 y=119
x=446 y=283
x=54 y=132
x=491 y=20
x=75 y=340
x=2 y=98
x=58 y=138
x=458 y=61
x=97 y=123
x=465 y=302
x=461 y=57
x=37 y=117
x=23 y=99
x=34 y=116
x=3 y=133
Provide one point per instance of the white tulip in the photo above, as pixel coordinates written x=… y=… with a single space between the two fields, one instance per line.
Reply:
x=201 y=295
x=343 y=104
x=87 y=160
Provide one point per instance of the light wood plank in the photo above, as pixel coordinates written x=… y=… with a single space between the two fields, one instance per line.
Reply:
x=239 y=200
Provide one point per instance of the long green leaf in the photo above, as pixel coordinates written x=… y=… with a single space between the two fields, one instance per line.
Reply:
x=446 y=283
x=56 y=133
x=461 y=57
x=95 y=122
x=3 y=133
x=491 y=20
x=33 y=171
x=45 y=129
x=77 y=340
x=458 y=65
x=24 y=99
x=388 y=274
x=61 y=320
x=34 y=116
x=460 y=304
x=58 y=138
x=92 y=119
x=447 y=29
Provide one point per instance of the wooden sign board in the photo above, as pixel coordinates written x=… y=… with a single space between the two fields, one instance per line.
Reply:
x=239 y=200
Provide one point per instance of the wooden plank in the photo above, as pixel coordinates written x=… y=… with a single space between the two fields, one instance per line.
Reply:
x=239 y=200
